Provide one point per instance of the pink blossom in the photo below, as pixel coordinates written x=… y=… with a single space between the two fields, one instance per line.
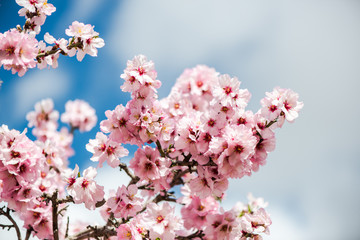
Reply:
x=198 y=81
x=85 y=189
x=43 y=115
x=147 y=164
x=161 y=221
x=256 y=223
x=125 y=203
x=188 y=131
x=18 y=51
x=266 y=144
x=227 y=90
x=141 y=69
x=291 y=105
x=30 y=5
x=79 y=114
x=128 y=232
x=194 y=214
x=104 y=149
x=85 y=35
x=78 y=29
x=39 y=217
x=119 y=126
x=234 y=161
x=222 y=226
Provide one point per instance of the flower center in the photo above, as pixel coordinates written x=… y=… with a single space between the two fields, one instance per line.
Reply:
x=239 y=149
x=159 y=219
x=273 y=108
x=15 y=154
x=84 y=184
x=227 y=90
x=10 y=50
x=241 y=120
x=110 y=150
x=287 y=105
x=211 y=123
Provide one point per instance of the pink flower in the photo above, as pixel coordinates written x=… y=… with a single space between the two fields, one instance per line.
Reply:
x=227 y=90
x=71 y=176
x=119 y=126
x=161 y=221
x=125 y=203
x=88 y=38
x=128 y=232
x=256 y=223
x=291 y=105
x=141 y=69
x=188 y=131
x=79 y=114
x=78 y=29
x=281 y=103
x=105 y=149
x=39 y=217
x=198 y=81
x=18 y=51
x=240 y=145
x=30 y=5
x=222 y=226
x=194 y=215
x=85 y=190
x=43 y=115
x=134 y=230
x=147 y=164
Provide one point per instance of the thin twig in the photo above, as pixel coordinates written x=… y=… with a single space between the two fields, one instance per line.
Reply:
x=94 y=232
x=198 y=234
x=28 y=232
x=3 y=226
x=134 y=179
x=67 y=227
x=161 y=151
x=7 y=214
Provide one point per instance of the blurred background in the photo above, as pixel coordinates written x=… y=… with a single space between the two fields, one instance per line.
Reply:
x=312 y=179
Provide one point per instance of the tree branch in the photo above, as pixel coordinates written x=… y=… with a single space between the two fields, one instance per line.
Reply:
x=161 y=151
x=55 y=215
x=7 y=214
x=94 y=232
x=198 y=234
x=28 y=232
x=134 y=179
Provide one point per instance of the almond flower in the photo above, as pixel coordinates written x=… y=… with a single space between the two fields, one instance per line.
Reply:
x=79 y=114
x=84 y=189
x=104 y=149
x=18 y=51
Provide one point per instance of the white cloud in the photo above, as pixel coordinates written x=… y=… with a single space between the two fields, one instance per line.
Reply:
x=82 y=9
x=38 y=85
x=181 y=33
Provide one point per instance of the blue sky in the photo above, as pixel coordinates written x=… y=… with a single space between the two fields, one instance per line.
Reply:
x=312 y=179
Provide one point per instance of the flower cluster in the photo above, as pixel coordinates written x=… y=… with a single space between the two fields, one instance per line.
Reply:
x=79 y=114
x=198 y=137
x=20 y=50
x=31 y=170
x=84 y=189
x=25 y=177
x=35 y=12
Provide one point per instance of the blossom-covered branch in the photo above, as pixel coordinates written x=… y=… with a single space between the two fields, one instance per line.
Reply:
x=20 y=50
x=198 y=137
